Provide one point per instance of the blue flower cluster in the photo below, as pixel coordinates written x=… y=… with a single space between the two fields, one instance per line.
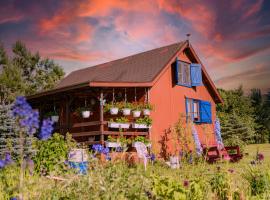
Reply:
x=98 y=148
x=198 y=145
x=28 y=118
x=6 y=161
x=46 y=129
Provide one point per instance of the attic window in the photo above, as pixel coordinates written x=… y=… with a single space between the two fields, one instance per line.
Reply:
x=188 y=74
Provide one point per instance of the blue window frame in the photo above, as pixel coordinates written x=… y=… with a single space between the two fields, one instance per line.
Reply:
x=188 y=74
x=198 y=111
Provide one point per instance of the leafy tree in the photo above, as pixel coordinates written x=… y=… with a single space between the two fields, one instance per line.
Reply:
x=26 y=73
x=257 y=101
x=237 y=117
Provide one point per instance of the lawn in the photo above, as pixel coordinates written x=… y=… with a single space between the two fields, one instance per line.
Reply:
x=120 y=181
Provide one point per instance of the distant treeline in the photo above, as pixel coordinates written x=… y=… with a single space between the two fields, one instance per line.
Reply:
x=244 y=119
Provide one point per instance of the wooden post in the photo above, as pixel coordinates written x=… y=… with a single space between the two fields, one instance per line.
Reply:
x=101 y=119
x=67 y=118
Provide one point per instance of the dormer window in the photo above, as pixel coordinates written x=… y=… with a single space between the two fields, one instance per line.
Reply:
x=188 y=74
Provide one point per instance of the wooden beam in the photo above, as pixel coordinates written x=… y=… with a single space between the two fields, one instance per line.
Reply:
x=143 y=133
x=90 y=142
x=101 y=119
x=88 y=133
x=82 y=124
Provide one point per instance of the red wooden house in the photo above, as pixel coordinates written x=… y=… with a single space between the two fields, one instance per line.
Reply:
x=171 y=78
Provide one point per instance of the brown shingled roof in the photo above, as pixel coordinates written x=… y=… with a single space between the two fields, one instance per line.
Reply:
x=138 y=68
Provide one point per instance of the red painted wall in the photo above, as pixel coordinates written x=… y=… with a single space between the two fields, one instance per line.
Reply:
x=169 y=102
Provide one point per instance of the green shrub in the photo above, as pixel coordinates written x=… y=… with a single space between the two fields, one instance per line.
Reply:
x=167 y=188
x=52 y=154
x=258 y=179
x=220 y=185
x=198 y=189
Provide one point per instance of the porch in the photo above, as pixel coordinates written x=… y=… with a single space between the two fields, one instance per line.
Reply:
x=95 y=128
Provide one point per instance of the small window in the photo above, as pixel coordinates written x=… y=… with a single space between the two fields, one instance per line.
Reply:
x=198 y=111
x=183 y=73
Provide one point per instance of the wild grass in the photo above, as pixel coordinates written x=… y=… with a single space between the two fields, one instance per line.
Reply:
x=121 y=181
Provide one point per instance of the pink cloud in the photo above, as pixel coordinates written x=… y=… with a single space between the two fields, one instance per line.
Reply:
x=253 y=9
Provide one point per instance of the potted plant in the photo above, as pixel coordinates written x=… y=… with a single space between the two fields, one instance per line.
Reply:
x=141 y=139
x=53 y=115
x=84 y=112
x=121 y=122
x=147 y=108
x=126 y=108
x=112 y=107
x=143 y=122
x=136 y=110
x=112 y=142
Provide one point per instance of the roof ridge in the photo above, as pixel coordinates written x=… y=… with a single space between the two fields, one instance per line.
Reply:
x=143 y=52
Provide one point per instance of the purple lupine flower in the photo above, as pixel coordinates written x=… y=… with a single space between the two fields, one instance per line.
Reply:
x=118 y=149
x=28 y=118
x=13 y=198
x=152 y=157
x=108 y=157
x=105 y=151
x=98 y=148
x=2 y=164
x=186 y=183
x=46 y=129
x=8 y=158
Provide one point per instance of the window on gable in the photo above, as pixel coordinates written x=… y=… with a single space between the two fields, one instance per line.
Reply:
x=188 y=74
x=198 y=111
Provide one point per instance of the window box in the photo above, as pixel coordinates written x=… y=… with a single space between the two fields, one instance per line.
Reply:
x=148 y=145
x=112 y=144
x=118 y=125
x=140 y=126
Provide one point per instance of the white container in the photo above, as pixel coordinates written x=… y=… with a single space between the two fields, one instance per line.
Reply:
x=114 y=111
x=112 y=144
x=86 y=114
x=118 y=125
x=55 y=118
x=142 y=126
x=146 y=112
x=78 y=155
x=148 y=145
x=126 y=111
x=174 y=162
x=136 y=113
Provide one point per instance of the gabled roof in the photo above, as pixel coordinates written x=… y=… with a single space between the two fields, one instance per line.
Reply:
x=139 y=68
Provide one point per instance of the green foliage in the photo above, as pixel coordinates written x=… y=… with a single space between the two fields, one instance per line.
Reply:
x=110 y=105
x=144 y=120
x=26 y=73
x=198 y=189
x=259 y=180
x=141 y=139
x=120 y=120
x=52 y=153
x=167 y=188
x=236 y=116
x=148 y=106
x=220 y=185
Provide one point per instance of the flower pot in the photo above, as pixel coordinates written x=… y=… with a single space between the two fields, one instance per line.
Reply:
x=136 y=113
x=142 y=126
x=114 y=111
x=78 y=155
x=55 y=118
x=118 y=125
x=126 y=111
x=146 y=112
x=112 y=144
x=86 y=114
x=174 y=162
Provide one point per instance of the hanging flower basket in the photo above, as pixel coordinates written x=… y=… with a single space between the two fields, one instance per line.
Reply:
x=146 y=112
x=86 y=113
x=55 y=118
x=114 y=111
x=126 y=111
x=136 y=113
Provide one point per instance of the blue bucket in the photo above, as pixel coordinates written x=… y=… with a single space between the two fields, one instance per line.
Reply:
x=80 y=167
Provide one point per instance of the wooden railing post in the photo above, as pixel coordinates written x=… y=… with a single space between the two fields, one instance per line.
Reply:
x=101 y=117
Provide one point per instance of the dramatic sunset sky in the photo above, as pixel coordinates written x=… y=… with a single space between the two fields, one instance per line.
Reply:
x=231 y=37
